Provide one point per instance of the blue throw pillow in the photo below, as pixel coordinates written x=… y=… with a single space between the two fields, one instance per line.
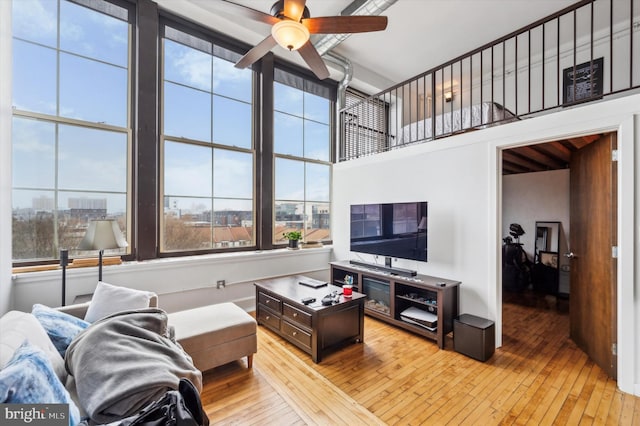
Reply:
x=60 y=326
x=29 y=378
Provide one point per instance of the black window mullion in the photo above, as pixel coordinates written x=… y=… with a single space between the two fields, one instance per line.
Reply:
x=265 y=188
x=146 y=158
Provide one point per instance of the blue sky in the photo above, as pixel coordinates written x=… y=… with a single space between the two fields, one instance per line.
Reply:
x=206 y=99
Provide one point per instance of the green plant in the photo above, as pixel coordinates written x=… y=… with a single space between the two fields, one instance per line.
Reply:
x=292 y=235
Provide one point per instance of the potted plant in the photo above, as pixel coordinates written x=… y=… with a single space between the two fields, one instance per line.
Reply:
x=293 y=237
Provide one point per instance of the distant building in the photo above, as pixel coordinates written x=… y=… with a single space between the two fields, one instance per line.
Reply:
x=320 y=218
x=231 y=217
x=288 y=213
x=88 y=203
x=42 y=203
x=87 y=208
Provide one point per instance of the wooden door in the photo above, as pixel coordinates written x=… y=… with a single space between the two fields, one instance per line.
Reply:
x=593 y=312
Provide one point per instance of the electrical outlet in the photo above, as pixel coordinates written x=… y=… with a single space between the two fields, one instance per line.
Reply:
x=220 y=283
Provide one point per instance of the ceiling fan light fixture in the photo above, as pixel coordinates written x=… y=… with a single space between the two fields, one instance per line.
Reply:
x=290 y=34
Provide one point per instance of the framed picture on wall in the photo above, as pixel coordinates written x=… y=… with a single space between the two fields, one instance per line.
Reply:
x=584 y=83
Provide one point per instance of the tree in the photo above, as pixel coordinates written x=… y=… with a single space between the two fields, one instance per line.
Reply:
x=181 y=235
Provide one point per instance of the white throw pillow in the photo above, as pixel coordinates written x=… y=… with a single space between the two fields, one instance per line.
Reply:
x=109 y=299
x=15 y=328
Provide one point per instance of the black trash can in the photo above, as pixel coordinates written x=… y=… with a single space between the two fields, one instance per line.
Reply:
x=474 y=336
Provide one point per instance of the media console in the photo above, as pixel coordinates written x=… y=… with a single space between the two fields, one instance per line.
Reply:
x=422 y=304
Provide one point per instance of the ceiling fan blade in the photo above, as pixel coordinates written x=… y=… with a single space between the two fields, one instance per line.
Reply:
x=257 y=52
x=313 y=59
x=247 y=12
x=345 y=24
x=293 y=9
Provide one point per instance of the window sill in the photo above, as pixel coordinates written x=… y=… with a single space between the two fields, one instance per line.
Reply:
x=169 y=262
x=85 y=262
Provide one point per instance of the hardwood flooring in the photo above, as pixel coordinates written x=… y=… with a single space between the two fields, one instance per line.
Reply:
x=539 y=376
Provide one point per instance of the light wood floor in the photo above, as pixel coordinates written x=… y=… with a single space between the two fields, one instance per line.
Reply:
x=539 y=376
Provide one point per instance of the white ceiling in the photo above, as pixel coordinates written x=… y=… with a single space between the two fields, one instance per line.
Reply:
x=421 y=34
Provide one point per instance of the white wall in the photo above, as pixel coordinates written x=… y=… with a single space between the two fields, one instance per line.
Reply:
x=541 y=197
x=5 y=155
x=528 y=198
x=460 y=178
x=531 y=197
x=456 y=213
x=181 y=282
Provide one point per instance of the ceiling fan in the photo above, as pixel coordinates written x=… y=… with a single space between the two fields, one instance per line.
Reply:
x=292 y=27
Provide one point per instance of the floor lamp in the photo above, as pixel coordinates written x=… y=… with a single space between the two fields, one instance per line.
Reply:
x=64 y=261
x=103 y=234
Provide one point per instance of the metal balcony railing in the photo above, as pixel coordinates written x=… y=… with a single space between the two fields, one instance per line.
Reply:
x=583 y=53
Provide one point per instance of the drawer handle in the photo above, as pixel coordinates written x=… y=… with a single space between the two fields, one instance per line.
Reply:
x=267 y=317
x=295 y=333
x=267 y=302
x=295 y=314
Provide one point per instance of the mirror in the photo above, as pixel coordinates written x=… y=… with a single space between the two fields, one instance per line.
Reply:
x=547 y=238
x=545 y=274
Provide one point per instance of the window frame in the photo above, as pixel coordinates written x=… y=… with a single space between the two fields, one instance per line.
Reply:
x=215 y=39
x=318 y=86
x=100 y=6
x=144 y=153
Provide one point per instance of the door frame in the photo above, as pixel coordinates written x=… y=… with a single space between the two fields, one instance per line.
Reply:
x=624 y=126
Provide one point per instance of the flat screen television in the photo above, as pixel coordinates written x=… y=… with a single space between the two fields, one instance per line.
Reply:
x=393 y=230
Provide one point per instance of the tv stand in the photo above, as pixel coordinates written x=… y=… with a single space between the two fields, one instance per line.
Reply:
x=391 y=270
x=419 y=303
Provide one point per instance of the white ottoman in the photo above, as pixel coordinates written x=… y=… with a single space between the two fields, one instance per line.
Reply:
x=214 y=335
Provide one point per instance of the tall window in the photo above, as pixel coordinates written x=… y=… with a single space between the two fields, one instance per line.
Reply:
x=71 y=122
x=207 y=152
x=302 y=149
x=195 y=155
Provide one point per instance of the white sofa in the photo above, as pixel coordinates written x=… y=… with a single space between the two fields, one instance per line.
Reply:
x=211 y=335
x=24 y=339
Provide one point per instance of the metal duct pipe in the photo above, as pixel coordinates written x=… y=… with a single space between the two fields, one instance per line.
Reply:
x=368 y=7
x=342 y=89
x=325 y=44
x=346 y=77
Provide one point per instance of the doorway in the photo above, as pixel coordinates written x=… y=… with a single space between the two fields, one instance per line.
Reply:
x=571 y=182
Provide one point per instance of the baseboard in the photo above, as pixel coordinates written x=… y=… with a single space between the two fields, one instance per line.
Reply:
x=242 y=294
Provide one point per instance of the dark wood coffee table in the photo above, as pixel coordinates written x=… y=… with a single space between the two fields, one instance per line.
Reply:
x=314 y=328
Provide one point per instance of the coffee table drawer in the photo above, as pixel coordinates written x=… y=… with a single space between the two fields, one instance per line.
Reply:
x=296 y=315
x=270 y=302
x=314 y=329
x=292 y=332
x=268 y=318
